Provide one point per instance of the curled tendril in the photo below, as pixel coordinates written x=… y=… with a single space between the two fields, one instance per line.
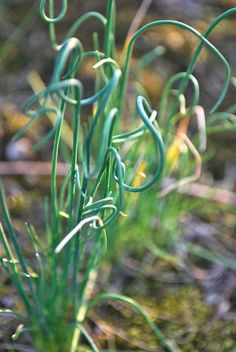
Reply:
x=204 y=42
x=84 y=18
x=75 y=26
x=105 y=94
x=72 y=51
x=118 y=168
x=39 y=112
x=142 y=107
x=49 y=19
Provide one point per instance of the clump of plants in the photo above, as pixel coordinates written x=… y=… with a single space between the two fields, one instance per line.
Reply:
x=113 y=152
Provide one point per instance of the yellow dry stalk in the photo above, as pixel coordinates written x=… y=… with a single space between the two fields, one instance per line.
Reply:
x=140 y=175
x=176 y=147
x=186 y=180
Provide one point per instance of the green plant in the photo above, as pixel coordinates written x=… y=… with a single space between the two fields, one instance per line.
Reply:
x=56 y=291
x=165 y=203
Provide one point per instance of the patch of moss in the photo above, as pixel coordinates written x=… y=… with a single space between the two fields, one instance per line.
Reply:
x=182 y=316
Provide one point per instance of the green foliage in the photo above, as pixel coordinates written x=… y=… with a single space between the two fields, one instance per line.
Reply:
x=106 y=162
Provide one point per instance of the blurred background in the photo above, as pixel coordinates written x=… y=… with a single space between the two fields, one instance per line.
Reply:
x=188 y=290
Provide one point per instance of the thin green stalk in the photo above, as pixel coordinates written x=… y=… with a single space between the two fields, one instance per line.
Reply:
x=15 y=277
x=165 y=343
x=19 y=252
x=109 y=31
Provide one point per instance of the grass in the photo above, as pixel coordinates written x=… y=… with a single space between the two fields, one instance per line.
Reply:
x=107 y=160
